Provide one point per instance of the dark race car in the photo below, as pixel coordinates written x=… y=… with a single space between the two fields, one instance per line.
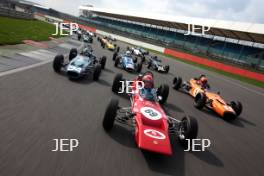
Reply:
x=87 y=39
x=127 y=62
x=80 y=65
x=138 y=51
x=154 y=63
x=153 y=129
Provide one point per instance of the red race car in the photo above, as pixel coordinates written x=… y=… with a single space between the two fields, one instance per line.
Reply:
x=152 y=127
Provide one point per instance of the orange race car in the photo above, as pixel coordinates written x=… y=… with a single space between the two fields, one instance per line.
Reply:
x=203 y=97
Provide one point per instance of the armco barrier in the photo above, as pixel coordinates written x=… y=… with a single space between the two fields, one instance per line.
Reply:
x=216 y=65
x=185 y=56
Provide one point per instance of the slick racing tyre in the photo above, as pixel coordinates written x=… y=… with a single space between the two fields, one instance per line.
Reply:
x=167 y=68
x=117 y=49
x=117 y=82
x=110 y=114
x=237 y=107
x=188 y=129
x=114 y=55
x=200 y=100
x=177 y=82
x=135 y=60
x=117 y=61
x=139 y=67
x=103 y=62
x=163 y=91
x=97 y=72
x=58 y=63
x=143 y=59
x=73 y=53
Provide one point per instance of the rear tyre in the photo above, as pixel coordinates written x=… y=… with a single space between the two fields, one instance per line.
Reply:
x=58 y=63
x=116 y=62
x=117 y=49
x=135 y=60
x=177 y=82
x=237 y=107
x=188 y=129
x=167 y=68
x=117 y=82
x=143 y=59
x=163 y=91
x=103 y=62
x=139 y=67
x=97 y=72
x=110 y=114
x=199 y=100
x=73 y=53
x=114 y=55
x=149 y=65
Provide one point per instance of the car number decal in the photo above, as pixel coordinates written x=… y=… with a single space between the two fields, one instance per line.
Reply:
x=154 y=134
x=150 y=113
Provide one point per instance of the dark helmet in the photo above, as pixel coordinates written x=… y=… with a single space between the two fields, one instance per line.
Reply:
x=204 y=80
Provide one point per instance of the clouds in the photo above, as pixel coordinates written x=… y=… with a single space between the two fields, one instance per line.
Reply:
x=238 y=10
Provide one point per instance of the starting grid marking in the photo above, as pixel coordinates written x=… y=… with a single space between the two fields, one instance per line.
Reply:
x=38 y=58
x=41 y=54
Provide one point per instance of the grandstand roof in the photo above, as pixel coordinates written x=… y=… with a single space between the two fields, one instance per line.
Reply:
x=252 y=32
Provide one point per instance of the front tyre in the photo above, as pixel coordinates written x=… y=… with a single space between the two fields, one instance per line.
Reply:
x=177 y=82
x=103 y=62
x=58 y=63
x=200 y=100
x=97 y=72
x=188 y=129
x=237 y=107
x=110 y=114
x=163 y=91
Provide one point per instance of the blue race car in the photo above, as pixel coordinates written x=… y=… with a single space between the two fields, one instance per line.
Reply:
x=127 y=62
x=80 y=65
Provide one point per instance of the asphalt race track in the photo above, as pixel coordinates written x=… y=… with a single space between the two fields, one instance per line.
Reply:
x=38 y=105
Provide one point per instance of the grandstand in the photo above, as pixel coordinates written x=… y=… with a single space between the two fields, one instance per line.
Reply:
x=227 y=41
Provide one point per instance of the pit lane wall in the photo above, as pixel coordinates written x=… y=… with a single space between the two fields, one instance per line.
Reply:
x=185 y=56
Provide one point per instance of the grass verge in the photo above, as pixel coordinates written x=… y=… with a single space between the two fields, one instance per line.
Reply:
x=14 y=31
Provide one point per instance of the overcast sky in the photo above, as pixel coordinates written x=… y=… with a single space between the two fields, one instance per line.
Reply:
x=237 y=10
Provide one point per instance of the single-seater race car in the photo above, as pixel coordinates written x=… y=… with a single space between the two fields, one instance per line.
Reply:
x=153 y=129
x=154 y=63
x=203 y=97
x=106 y=43
x=138 y=51
x=127 y=62
x=80 y=65
x=87 y=39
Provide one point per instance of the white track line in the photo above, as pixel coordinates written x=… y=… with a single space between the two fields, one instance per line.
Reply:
x=9 y=72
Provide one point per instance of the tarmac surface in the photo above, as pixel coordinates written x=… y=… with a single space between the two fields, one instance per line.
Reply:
x=38 y=105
